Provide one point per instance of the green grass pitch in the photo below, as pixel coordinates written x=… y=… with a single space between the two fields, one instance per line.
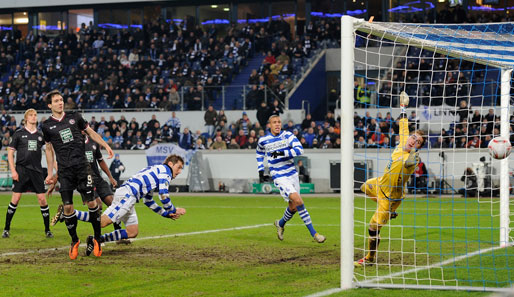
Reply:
x=204 y=254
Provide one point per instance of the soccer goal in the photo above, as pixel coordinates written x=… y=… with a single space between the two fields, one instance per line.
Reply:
x=452 y=229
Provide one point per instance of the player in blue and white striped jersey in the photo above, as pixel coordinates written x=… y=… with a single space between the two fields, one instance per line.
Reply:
x=139 y=187
x=280 y=148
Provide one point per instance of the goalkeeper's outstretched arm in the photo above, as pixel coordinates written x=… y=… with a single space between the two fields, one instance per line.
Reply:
x=403 y=121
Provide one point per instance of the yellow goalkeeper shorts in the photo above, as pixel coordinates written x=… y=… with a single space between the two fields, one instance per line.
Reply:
x=383 y=213
x=370 y=187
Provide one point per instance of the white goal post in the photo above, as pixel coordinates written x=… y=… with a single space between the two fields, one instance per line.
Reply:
x=431 y=274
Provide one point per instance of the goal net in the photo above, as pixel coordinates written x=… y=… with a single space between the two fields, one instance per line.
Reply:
x=452 y=225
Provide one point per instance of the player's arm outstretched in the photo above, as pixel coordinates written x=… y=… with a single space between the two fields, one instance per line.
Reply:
x=175 y=214
x=403 y=121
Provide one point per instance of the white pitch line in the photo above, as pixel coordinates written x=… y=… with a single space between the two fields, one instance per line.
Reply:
x=142 y=238
x=436 y=265
x=414 y=270
x=326 y=292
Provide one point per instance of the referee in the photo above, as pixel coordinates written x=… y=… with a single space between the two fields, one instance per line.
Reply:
x=27 y=173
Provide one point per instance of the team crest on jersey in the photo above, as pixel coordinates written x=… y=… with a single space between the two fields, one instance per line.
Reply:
x=72 y=121
x=40 y=138
x=94 y=147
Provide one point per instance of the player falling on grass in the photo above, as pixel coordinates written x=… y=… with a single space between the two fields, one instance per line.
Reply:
x=388 y=189
x=103 y=191
x=27 y=173
x=139 y=187
x=280 y=148
x=62 y=133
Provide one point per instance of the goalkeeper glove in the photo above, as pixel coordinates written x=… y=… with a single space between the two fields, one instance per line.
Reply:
x=404 y=102
x=276 y=154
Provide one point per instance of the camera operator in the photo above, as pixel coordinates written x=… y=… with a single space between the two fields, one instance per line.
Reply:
x=470 y=184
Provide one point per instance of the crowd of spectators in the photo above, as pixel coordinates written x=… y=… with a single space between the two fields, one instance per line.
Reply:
x=470 y=129
x=151 y=67
x=141 y=68
x=285 y=58
x=219 y=133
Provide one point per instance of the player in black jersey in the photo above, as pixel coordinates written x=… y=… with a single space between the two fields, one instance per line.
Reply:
x=63 y=134
x=103 y=191
x=27 y=173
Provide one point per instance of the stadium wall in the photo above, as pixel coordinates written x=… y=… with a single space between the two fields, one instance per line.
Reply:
x=190 y=119
x=314 y=90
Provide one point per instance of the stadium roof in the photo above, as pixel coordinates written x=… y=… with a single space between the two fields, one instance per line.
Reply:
x=490 y=44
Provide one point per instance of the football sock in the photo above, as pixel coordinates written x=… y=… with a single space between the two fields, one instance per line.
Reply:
x=116 y=226
x=94 y=218
x=304 y=214
x=10 y=213
x=71 y=224
x=114 y=236
x=45 y=212
x=373 y=242
x=82 y=215
x=288 y=214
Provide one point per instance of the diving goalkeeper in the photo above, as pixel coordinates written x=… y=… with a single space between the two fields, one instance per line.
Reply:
x=388 y=189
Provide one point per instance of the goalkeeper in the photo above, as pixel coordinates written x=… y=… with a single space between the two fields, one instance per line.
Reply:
x=388 y=189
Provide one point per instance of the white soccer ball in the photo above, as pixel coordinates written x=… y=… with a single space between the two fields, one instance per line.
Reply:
x=499 y=148
x=122 y=168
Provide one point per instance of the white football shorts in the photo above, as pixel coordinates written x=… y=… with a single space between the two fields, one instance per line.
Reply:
x=287 y=185
x=123 y=208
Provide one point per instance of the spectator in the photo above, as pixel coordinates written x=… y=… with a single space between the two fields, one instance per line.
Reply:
x=199 y=145
x=174 y=124
x=263 y=114
x=210 y=118
x=185 y=140
x=244 y=123
x=309 y=136
x=233 y=145
x=241 y=138
x=306 y=123
x=219 y=144
x=117 y=168
x=174 y=98
x=302 y=172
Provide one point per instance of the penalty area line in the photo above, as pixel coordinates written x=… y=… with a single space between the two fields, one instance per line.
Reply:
x=40 y=251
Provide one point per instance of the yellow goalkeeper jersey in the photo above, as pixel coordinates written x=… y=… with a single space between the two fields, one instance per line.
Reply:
x=400 y=167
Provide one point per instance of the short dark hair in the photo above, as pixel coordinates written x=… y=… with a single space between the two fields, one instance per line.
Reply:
x=48 y=97
x=173 y=159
